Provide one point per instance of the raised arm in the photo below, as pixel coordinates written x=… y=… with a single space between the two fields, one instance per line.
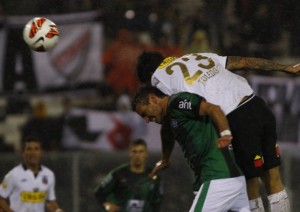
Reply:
x=240 y=63
x=220 y=120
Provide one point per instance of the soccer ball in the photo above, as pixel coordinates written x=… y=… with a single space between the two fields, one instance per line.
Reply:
x=41 y=34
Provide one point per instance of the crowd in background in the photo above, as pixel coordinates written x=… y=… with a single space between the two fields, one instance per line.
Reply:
x=243 y=27
x=258 y=28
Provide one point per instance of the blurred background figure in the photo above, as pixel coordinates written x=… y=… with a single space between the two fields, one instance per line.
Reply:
x=199 y=43
x=129 y=187
x=29 y=186
x=42 y=126
x=118 y=58
x=165 y=45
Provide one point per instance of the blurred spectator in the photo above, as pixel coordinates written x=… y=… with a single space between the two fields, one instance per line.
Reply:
x=130 y=118
x=169 y=24
x=4 y=147
x=17 y=103
x=198 y=21
x=52 y=7
x=119 y=57
x=237 y=44
x=291 y=15
x=123 y=103
x=43 y=127
x=199 y=43
x=129 y=14
x=263 y=32
x=217 y=22
x=166 y=47
x=74 y=126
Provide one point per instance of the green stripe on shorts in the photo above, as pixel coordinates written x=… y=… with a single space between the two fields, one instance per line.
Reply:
x=202 y=196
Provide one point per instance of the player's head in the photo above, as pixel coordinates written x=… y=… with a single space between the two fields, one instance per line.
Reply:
x=147 y=104
x=147 y=63
x=138 y=153
x=138 y=142
x=32 y=151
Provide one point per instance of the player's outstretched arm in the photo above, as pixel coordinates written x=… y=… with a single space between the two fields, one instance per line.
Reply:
x=167 y=142
x=250 y=63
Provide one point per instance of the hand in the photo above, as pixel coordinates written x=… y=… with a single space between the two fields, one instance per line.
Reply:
x=110 y=207
x=294 y=69
x=160 y=165
x=224 y=141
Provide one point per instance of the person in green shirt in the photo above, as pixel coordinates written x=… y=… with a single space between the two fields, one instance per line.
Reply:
x=128 y=187
x=196 y=125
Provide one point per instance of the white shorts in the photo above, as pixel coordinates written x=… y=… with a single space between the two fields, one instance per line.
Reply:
x=222 y=195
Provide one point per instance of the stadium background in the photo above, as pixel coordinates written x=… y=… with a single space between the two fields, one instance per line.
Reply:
x=98 y=132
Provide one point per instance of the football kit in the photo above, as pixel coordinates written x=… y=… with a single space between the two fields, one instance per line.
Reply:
x=132 y=192
x=26 y=191
x=217 y=176
x=203 y=74
x=252 y=123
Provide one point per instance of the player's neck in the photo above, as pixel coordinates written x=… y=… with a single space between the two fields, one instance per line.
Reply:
x=137 y=169
x=35 y=168
x=164 y=103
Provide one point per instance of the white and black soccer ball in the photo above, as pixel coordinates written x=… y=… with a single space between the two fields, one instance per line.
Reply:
x=41 y=34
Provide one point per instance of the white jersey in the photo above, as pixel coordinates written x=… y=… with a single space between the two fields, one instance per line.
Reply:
x=203 y=74
x=27 y=192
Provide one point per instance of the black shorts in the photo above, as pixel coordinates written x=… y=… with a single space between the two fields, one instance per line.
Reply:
x=253 y=127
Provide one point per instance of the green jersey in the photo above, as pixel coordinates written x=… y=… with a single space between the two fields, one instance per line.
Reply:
x=197 y=136
x=132 y=192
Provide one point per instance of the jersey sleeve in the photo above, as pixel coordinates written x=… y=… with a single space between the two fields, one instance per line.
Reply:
x=105 y=188
x=160 y=85
x=7 y=185
x=51 y=192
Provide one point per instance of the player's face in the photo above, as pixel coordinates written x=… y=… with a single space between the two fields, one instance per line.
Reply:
x=32 y=153
x=151 y=112
x=138 y=155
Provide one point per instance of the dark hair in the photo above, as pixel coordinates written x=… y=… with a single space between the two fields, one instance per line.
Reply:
x=139 y=141
x=142 y=95
x=31 y=139
x=147 y=63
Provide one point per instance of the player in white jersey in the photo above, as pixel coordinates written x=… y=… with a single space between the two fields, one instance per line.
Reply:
x=29 y=187
x=252 y=123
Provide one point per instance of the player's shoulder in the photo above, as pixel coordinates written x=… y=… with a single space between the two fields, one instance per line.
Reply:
x=15 y=172
x=121 y=168
x=166 y=62
x=183 y=95
x=17 y=169
x=46 y=170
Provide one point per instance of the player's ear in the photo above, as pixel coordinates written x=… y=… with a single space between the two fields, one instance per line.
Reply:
x=152 y=98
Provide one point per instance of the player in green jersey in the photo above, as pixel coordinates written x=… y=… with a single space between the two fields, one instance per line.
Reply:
x=195 y=124
x=128 y=188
